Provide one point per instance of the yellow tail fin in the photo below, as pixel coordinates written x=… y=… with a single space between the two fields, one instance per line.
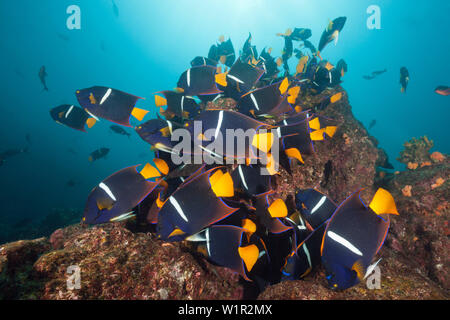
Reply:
x=221 y=79
x=314 y=124
x=278 y=209
x=250 y=255
x=139 y=113
x=330 y=131
x=294 y=153
x=149 y=172
x=336 y=97
x=284 y=85
x=263 y=141
x=383 y=203
x=317 y=135
x=223 y=185
x=160 y=101
x=161 y=165
x=249 y=225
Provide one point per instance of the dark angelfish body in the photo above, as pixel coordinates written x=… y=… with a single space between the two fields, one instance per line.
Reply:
x=331 y=32
x=214 y=139
x=178 y=105
x=305 y=258
x=249 y=52
x=314 y=206
x=301 y=34
x=310 y=46
x=404 y=79
x=264 y=101
x=249 y=180
x=98 y=154
x=442 y=90
x=240 y=79
x=42 y=75
x=157 y=132
x=72 y=116
x=119 y=130
x=199 y=80
x=195 y=205
x=346 y=251
x=115 y=197
x=110 y=104
x=233 y=247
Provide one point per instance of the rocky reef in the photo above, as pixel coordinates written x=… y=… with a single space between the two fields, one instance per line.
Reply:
x=118 y=263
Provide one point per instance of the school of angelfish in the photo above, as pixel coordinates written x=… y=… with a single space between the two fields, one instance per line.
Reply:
x=229 y=213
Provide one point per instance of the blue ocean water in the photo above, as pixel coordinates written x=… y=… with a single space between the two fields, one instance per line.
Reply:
x=149 y=44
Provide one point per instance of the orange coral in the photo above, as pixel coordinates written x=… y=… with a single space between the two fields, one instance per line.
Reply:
x=407 y=191
x=412 y=165
x=439 y=182
x=437 y=156
x=347 y=139
x=425 y=164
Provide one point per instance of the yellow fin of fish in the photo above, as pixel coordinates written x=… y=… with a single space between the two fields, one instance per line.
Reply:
x=284 y=85
x=336 y=97
x=278 y=209
x=359 y=269
x=149 y=172
x=249 y=225
x=221 y=79
x=263 y=141
x=383 y=203
x=176 y=232
x=317 y=135
x=223 y=186
x=160 y=101
x=139 y=113
x=250 y=255
x=314 y=124
x=161 y=165
x=330 y=131
x=294 y=153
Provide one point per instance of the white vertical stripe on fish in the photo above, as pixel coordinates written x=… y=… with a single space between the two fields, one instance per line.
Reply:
x=319 y=204
x=189 y=77
x=344 y=242
x=177 y=206
x=242 y=177
x=69 y=111
x=219 y=124
x=106 y=96
x=108 y=191
x=254 y=101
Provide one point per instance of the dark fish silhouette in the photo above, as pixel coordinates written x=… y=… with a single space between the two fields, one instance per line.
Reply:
x=120 y=130
x=11 y=153
x=374 y=74
x=404 y=79
x=42 y=76
x=372 y=123
x=98 y=154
